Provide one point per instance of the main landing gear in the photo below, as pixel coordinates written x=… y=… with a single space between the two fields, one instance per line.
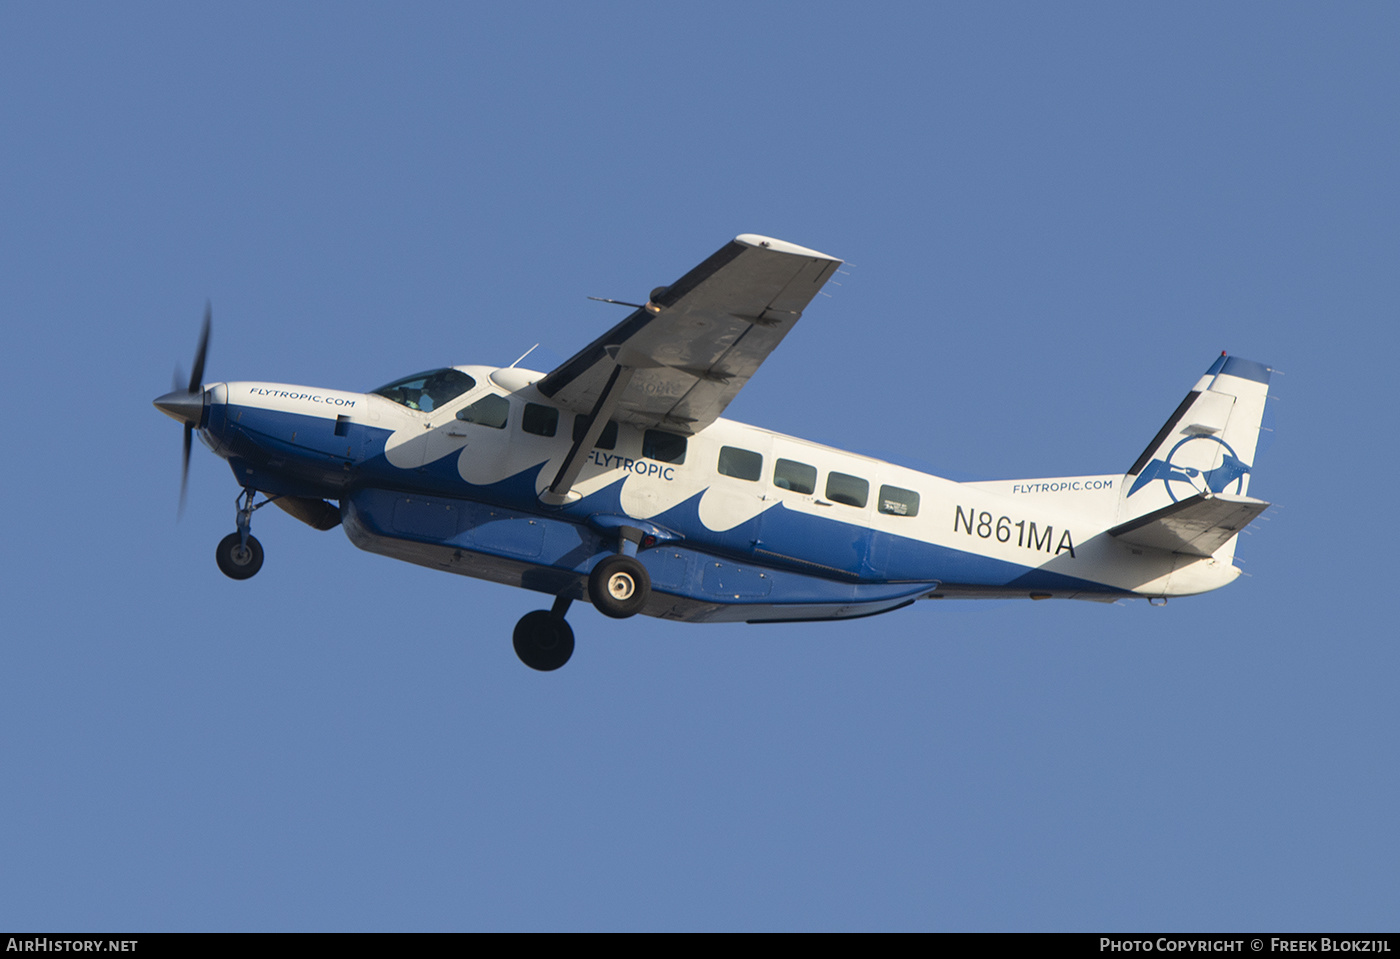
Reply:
x=239 y=554
x=543 y=640
x=619 y=586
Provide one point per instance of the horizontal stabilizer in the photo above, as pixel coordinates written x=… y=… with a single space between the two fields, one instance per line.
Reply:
x=1196 y=526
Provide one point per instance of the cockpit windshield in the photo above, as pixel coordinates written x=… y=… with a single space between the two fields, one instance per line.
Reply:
x=427 y=391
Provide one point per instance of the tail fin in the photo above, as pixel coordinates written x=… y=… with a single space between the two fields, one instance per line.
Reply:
x=1208 y=444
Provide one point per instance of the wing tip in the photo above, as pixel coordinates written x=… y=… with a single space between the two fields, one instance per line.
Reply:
x=781 y=246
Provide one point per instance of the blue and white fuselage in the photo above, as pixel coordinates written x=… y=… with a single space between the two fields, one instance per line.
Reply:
x=465 y=497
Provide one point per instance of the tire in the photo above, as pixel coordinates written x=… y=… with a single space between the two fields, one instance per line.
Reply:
x=234 y=561
x=619 y=586
x=543 y=641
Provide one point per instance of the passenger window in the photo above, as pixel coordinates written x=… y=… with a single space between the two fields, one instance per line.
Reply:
x=540 y=420
x=796 y=477
x=607 y=440
x=741 y=464
x=898 y=502
x=847 y=490
x=491 y=410
x=663 y=447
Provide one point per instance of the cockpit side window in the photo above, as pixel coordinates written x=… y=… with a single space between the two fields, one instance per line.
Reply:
x=427 y=391
x=491 y=410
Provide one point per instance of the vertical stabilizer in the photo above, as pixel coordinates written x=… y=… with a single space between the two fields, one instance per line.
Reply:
x=1208 y=444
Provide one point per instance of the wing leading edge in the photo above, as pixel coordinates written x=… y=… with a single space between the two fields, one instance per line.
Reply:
x=677 y=362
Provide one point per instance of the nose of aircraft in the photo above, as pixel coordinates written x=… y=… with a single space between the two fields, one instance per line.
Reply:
x=187 y=406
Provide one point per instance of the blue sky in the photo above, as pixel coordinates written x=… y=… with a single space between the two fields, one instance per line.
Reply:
x=1057 y=216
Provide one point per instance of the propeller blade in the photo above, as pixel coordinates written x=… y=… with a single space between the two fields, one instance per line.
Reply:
x=197 y=374
x=185 y=470
x=187 y=404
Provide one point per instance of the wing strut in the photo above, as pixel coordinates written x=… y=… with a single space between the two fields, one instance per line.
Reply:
x=561 y=490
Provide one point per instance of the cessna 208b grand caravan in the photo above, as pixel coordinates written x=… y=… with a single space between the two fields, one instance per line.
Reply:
x=615 y=478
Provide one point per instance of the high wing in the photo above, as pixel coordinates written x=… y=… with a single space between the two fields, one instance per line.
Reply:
x=678 y=361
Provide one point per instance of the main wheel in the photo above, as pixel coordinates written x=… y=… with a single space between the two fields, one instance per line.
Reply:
x=237 y=561
x=619 y=586
x=543 y=641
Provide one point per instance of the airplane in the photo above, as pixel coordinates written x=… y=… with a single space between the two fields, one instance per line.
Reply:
x=614 y=478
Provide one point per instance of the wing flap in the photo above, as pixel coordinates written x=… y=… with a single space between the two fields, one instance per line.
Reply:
x=695 y=345
x=1196 y=526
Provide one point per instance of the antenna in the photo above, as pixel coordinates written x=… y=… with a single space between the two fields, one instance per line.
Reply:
x=523 y=355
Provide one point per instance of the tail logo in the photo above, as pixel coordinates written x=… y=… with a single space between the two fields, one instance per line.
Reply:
x=1196 y=465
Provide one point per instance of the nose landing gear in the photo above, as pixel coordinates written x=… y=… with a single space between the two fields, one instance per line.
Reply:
x=239 y=554
x=238 y=559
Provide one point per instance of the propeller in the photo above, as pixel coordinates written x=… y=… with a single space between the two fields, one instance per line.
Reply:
x=187 y=405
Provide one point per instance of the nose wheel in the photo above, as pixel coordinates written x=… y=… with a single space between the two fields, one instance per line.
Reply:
x=237 y=559
x=239 y=554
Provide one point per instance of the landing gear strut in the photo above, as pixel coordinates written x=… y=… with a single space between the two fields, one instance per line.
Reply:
x=543 y=640
x=239 y=554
